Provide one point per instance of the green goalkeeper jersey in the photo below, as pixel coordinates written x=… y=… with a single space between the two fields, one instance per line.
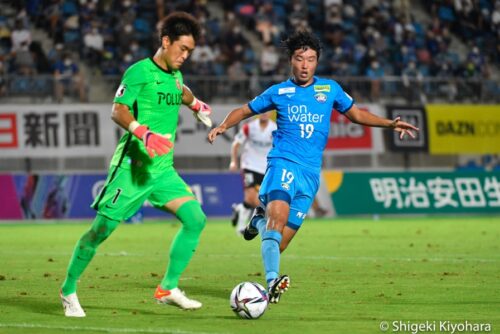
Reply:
x=154 y=96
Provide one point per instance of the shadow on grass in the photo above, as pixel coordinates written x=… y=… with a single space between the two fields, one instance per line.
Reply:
x=51 y=306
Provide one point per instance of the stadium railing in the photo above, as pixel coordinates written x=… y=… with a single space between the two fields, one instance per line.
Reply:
x=224 y=88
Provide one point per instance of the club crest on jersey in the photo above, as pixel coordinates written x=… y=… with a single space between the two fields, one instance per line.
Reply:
x=320 y=97
x=321 y=88
x=178 y=84
x=121 y=90
x=285 y=186
x=286 y=90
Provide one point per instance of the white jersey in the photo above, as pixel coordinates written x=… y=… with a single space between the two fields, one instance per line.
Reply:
x=255 y=145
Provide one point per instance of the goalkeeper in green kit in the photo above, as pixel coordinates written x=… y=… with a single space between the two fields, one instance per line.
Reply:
x=147 y=104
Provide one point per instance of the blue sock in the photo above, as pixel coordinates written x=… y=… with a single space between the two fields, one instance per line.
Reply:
x=271 y=254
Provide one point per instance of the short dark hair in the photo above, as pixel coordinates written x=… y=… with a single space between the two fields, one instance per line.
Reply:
x=301 y=40
x=178 y=24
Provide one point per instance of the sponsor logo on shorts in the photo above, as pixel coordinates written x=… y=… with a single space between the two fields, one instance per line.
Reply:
x=285 y=186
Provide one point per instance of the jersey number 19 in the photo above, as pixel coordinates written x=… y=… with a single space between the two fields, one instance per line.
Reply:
x=306 y=130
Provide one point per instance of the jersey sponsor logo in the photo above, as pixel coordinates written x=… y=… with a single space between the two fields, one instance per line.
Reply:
x=286 y=90
x=285 y=186
x=320 y=97
x=169 y=98
x=321 y=88
x=299 y=113
x=121 y=90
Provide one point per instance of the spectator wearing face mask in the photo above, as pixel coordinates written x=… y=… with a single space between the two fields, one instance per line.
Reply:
x=375 y=72
x=68 y=75
x=126 y=36
x=138 y=52
x=127 y=60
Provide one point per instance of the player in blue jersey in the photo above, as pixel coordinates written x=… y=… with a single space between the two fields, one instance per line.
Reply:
x=304 y=104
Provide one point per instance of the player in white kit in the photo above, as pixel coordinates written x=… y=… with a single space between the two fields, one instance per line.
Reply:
x=255 y=139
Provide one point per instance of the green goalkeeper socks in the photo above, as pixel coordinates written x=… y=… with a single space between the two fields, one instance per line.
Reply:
x=85 y=249
x=185 y=242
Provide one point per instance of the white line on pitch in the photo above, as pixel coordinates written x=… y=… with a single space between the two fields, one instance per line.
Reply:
x=460 y=258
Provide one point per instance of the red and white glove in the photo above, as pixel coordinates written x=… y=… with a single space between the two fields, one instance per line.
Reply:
x=155 y=143
x=202 y=111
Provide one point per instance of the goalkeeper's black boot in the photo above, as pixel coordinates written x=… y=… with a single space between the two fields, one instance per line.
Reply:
x=250 y=231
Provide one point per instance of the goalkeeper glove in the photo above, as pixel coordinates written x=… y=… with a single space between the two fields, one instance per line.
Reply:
x=155 y=143
x=202 y=111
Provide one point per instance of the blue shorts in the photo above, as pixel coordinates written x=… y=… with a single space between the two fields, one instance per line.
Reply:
x=288 y=181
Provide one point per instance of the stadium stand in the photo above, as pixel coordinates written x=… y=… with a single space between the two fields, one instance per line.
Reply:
x=379 y=48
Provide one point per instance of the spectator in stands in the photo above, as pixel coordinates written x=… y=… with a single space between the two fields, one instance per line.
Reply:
x=125 y=37
x=93 y=43
x=375 y=73
x=333 y=17
x=203 y=58
x=42 y=64
x=138 y=51
x=269 y=60
x=71 y=32
x=67 y=75
x=20 y=36
x=448 y=85
x=5 y=35
x=53 y=13
x=127 y=60
x=265 y=24
x=495 y=16
x=412 y=82
x=56 y=53
x=24 y=63
x=298 y=14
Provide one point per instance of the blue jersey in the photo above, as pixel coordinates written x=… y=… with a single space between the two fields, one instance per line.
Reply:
x=303 y=118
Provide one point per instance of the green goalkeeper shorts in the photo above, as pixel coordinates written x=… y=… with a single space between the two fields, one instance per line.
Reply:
x=125 y=191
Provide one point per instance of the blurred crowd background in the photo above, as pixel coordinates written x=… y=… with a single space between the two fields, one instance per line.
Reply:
x=444 y=50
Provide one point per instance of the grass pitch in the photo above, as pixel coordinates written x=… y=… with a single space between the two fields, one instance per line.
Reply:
x=347 y=276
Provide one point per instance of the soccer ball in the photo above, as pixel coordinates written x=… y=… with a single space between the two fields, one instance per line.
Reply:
x=249 y=300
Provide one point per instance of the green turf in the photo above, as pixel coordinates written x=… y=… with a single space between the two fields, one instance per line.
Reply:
x=346 y=277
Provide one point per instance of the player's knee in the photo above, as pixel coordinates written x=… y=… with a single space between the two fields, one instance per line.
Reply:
x=100 y=230
x=276 y=223
x=192 y=216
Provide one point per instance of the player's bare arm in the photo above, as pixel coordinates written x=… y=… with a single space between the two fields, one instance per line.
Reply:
x=355 y=115
x=121 y=115
x=233 y=118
